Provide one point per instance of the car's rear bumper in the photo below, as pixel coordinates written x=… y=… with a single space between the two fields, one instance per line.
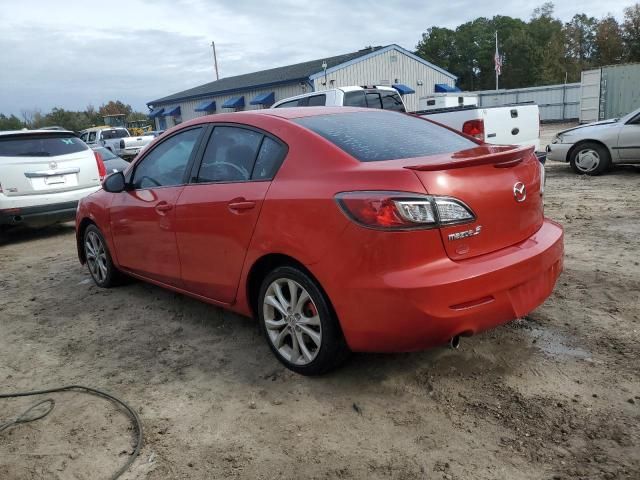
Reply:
x=558 y=152
x=39 y=215
x=427 y=305
x=41 y=209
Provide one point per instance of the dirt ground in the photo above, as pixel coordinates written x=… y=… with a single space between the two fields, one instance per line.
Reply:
x=552 y=396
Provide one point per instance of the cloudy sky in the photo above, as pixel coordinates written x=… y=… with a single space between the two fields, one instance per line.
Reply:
x=75 y=53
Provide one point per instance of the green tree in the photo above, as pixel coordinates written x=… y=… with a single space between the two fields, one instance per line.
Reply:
x=438 y=45
x=609 y=46
x=580 y=35
x=115 y=107
x=546 y=32
x=631 y=32
x=10 y=123
x=70 y=120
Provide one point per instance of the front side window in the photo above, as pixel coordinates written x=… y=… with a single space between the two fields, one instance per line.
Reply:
x=230 y=155
x=165 y=165
x=92 y=137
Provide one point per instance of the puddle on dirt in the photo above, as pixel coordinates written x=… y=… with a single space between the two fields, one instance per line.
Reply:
x=554 y=343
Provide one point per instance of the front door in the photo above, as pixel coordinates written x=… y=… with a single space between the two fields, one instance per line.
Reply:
x=629 y=141
x=216 y=215
x=143 y=217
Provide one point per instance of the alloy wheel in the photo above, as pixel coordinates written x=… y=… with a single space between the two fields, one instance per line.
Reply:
x=96 y=255
x=292 y=321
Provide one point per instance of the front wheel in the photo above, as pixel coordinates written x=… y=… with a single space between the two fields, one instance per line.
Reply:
x=590 y=158
x=299 y=324
x=96 y=252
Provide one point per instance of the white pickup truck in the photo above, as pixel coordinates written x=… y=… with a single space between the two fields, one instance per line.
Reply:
x=504 y=125
x=116 y=139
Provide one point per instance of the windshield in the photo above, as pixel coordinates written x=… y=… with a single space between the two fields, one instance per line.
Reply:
x=376 y=135
x=40 y=145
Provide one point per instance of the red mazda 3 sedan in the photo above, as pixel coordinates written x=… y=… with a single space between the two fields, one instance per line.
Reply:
x=340 y=229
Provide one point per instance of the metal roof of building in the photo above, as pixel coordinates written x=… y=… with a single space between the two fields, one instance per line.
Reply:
x=299 y=71
x=279 y=75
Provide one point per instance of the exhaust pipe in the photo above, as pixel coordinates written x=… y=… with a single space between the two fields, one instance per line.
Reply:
x=454 y=343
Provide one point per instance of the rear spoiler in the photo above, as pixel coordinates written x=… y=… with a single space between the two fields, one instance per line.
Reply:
x=499 y=156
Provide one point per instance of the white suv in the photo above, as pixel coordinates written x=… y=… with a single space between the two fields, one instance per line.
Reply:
x=43 y=174
x=385 y=98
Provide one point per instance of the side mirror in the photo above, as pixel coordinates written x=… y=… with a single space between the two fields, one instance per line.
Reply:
x=114 y=183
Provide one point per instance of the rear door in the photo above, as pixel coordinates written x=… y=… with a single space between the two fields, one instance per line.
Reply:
x=217 y=213
x=43 y=163
x=512 y=125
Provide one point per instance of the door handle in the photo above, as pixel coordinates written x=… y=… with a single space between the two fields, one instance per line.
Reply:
x=163 y=207
x=241 y=204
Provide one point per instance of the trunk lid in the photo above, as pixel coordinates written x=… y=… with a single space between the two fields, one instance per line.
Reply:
x=489 y=179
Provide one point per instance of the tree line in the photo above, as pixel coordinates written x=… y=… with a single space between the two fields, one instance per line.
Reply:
x=541 y=51
x=69 y=119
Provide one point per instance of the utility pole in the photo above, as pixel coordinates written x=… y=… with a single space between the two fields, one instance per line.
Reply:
x=215 y=59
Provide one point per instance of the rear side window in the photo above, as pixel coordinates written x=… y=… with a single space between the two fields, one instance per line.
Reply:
x=317 y=101
x=271 y=155
x=354 y=99
x=378 y=135
x=40 y=145
x=230 y=155
x=373 y=100
x=392 y=101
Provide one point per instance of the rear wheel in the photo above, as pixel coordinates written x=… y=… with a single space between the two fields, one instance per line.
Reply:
x=590 y=158
x=101 y=267
x=299 y=324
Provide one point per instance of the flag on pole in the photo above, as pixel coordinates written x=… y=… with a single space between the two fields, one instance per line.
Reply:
x=497 y=59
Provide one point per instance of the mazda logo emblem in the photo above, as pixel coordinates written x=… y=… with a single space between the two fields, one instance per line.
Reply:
x=519 y=192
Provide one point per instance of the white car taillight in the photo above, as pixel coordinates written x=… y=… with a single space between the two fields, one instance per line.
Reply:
x=543 y=178
x=419 y=211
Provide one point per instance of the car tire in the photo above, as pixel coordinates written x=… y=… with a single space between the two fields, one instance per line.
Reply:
x=98 y=258
x=299 y=323
x=590 y=158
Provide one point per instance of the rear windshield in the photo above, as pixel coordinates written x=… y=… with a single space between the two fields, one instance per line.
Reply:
x=109 y=134
x=378 y=135
x=40 y=145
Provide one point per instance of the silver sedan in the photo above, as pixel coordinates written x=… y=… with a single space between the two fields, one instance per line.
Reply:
x=593 y=148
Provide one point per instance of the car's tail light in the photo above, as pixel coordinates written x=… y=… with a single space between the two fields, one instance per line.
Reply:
x=402 y=211
x=474 y=128
x=102 y=170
